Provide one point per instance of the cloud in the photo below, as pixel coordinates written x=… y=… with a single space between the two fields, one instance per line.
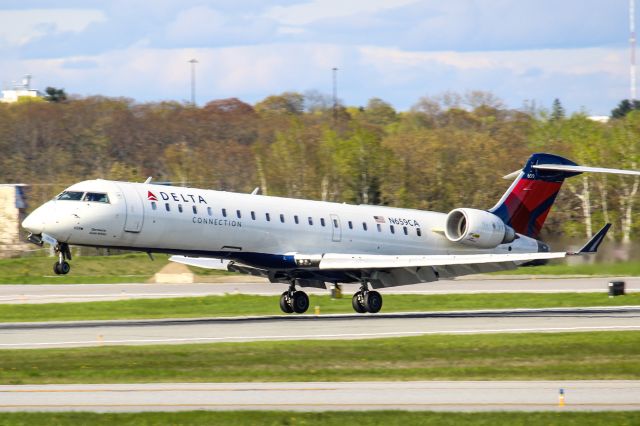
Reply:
x=203 y=26
x=18 y=27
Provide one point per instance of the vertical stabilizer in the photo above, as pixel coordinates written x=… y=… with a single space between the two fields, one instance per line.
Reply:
x=527 y=202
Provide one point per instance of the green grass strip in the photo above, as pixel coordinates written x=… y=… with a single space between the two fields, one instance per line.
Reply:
x=527 y=356
x=284 y=418
x=621 y=269
x=239 y=305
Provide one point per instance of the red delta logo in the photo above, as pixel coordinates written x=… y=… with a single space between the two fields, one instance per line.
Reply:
x=151 y=196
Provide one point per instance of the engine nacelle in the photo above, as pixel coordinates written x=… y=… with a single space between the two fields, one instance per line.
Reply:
x=477 y=228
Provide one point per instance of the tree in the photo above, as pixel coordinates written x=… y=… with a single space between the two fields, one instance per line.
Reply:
x=55 y=95
x=557 y=110
x=625 y=107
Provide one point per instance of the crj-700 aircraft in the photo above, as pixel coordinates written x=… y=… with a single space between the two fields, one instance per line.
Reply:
x=310 y=243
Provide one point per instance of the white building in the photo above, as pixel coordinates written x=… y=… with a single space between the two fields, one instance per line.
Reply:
x=18 y=91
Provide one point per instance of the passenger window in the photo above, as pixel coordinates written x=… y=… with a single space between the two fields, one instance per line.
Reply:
x=379 y=227
x=406 y=231
x=350 y=225
x=322 y=221
x=195 y=210
x=224 y=212
x=364 y=225
x=335 y=223
x=281 y=218
x=153 y=205
x=180 y=208
x=238 y=214
x=418 y=232
x=209 y=211
x=268 y=216
x=392 y=229
x=96 y=197
x=295 y=219
x=310 y=221
x=166 y=206
x=253 y=215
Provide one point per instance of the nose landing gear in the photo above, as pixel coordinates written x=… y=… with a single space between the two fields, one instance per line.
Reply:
x=62 y=267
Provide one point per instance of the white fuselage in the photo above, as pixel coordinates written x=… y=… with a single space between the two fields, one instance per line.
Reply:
x=251 y=228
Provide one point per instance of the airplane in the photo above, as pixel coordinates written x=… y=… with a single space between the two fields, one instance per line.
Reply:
x=304 y=243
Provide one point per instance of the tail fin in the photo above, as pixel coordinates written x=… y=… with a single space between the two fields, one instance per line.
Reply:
x=527 y=202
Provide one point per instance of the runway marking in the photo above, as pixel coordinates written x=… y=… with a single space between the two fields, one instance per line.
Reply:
x=334 y=404
x=325 y=336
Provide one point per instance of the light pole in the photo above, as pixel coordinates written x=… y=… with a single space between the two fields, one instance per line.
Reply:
x=193 y=63
x=335 y=94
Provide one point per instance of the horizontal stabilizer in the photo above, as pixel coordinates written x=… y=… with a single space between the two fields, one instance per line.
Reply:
x=584 y=169
x=377 y=261
x=592 y=245
x=202 y=262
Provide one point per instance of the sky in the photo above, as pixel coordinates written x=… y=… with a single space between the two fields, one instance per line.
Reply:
x=524 y=51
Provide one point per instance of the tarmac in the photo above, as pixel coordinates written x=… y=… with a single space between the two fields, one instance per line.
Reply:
x=63 y=293
x=321 y=396
x=310 y=327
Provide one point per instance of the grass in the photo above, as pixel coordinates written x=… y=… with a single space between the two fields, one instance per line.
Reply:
x=282 y=418
x=239 y=305
x=622 y=269
x=527 y=356
x=126 y=268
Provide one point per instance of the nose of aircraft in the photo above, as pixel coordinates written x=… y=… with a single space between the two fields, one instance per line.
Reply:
x=35 y=222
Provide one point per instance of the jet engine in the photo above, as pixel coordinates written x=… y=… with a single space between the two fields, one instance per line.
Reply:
x=477 y=228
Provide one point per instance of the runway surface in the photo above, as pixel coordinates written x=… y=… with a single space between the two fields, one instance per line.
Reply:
x=314 y=396
x=57 y=293
x=349 y=326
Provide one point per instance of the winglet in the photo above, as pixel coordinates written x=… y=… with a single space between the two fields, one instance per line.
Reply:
x=592 y=245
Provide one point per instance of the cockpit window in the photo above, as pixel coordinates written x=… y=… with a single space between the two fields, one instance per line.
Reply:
x=96 y=197
x=70 y=195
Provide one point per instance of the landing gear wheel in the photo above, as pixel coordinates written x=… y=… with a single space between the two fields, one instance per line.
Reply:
x=372 y=301
x=285 y=306
x=61 y=268
x=300 y=302
x=356 y=302
x=64 y=268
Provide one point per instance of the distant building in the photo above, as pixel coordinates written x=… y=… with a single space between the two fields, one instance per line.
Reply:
x=18 y=91
x=13 y=208
x=600 y=118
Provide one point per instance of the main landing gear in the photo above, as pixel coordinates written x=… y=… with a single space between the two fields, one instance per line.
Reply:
x=294 y=300
x=366 y=300
x=62 y=267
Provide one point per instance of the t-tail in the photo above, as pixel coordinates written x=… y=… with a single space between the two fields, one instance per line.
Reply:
x=527 y=202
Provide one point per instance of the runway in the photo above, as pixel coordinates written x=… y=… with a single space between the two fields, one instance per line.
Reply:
x=314 y=396
x=61 y=293
x=347 y=326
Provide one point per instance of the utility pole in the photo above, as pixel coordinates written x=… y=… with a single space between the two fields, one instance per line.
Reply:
x=632 y=47
x=193 y=63
x=335 y=94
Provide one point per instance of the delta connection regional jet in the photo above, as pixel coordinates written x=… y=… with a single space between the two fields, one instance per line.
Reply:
x=310 y=243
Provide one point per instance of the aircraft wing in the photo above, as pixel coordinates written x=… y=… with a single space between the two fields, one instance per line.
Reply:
x=373 y=261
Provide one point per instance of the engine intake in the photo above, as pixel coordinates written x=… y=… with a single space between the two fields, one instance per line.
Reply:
x=477 y=228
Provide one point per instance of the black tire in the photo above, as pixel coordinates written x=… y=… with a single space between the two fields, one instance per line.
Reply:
x=357 y=305
x=300 y=302
x=56 y=268
x=373 y=301
x=285 y=306
x=64 y=268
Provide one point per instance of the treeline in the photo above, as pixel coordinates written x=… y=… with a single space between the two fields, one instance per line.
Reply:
x=446 y=152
